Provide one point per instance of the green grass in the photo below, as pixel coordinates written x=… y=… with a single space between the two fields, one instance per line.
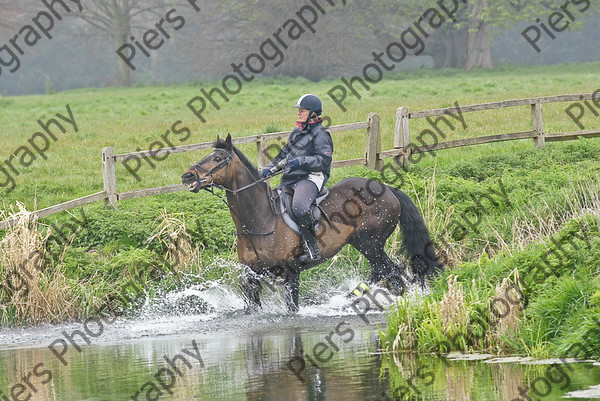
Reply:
x=541 y=184
x=127 y=119
x=560 y=286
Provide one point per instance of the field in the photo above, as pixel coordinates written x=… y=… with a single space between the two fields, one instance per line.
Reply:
x=547 y=191
x=127 y=119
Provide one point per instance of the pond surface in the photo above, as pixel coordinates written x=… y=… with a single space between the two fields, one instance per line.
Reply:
x=326 y=352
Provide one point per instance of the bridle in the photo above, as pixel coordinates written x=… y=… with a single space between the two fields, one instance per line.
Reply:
x=209 y=173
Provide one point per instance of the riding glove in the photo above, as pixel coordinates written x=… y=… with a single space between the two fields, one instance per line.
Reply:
x=294 y=163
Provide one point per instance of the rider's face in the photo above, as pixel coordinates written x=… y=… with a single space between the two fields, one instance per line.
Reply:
x=303 y=115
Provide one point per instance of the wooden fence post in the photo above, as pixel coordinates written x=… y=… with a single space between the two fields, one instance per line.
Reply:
x=109 y=176
x=537 y=123
x=262 y=158
x=373 y=148
x=402 y=136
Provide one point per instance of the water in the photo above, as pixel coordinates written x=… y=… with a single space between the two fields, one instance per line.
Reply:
x=325 y=352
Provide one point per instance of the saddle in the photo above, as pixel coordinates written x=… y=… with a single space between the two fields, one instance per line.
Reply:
x=285 y=196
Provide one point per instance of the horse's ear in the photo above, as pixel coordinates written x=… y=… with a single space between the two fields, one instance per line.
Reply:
x=228 y=141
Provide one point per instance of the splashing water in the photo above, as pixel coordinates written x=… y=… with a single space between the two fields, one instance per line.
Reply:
x=212 y=306
x=329 y=294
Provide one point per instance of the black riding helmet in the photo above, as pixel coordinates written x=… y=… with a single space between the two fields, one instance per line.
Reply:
x=311 y=103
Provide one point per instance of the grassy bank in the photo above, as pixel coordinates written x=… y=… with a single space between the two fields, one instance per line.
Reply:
x=526 y=278
x=539 y=295
x=544 y=190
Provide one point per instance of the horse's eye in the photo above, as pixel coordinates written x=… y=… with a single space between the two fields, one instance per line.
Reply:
x=217 y=159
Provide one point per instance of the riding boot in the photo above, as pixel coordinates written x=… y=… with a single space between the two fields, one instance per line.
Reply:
x=310 y=248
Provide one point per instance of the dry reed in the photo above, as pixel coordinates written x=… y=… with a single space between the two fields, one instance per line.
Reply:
x=29 y=293
x=172 y=234
x=506 y=317
x=438 y=222
x=406 y=338
x=581 y=198
x=453 y=307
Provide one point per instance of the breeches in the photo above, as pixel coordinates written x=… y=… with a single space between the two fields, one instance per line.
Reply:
x=305 y=192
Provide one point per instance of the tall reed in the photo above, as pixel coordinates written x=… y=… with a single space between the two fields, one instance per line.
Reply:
x=31 y=291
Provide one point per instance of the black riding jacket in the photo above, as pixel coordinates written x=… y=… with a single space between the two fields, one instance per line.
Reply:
x=313 y=147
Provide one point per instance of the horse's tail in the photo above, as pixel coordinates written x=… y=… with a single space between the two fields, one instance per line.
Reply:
x=415 y=238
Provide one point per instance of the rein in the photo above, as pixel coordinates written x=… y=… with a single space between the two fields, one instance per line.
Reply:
x=227 y=162
x=235 y=192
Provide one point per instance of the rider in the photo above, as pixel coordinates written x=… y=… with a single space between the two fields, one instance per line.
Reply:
x=308 y=156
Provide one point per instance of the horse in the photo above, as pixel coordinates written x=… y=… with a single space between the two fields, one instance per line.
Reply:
x=358 y=211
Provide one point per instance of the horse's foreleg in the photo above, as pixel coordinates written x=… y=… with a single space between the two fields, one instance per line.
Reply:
x=251 y=288
x=292 y=285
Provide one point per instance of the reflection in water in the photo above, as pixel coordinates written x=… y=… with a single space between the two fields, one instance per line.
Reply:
x=23 y=380
x=508 y=378
x=459 y=381
x=269 y=378
x=290 y=374
x=279 y=360
x=429 y=377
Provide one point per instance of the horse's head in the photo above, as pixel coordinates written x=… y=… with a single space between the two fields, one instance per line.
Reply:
x=214 y=169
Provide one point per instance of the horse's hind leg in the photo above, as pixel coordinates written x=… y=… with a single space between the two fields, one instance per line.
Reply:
x=383 y=268
x=379 y=268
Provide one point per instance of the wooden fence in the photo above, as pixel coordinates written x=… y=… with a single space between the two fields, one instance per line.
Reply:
x=110 y=159
x=403 y=147
x=373 y=158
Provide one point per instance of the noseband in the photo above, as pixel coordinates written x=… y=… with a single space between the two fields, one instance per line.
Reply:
x=208 y=173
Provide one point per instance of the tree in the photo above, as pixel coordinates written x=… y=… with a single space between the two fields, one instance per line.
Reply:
x=11 y=12
x=466 y=42
x=338 y=40
x=479 y=45
x=116 y=19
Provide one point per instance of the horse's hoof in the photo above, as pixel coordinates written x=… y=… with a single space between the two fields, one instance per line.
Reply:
x=250 y=309
x=386 y=284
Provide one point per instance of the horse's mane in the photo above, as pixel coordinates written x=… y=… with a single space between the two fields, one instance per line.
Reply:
x=222 y=144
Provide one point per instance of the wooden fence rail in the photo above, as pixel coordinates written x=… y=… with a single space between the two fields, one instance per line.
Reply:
x=109 y=161
x=373 y=158
x=403 y=147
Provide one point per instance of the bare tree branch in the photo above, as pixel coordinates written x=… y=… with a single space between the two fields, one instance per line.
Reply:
x=117 y=19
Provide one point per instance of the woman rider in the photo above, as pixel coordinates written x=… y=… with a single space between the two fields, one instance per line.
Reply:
x=308 y=156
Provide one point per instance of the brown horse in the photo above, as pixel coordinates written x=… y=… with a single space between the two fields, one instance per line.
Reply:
x=361 y=212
